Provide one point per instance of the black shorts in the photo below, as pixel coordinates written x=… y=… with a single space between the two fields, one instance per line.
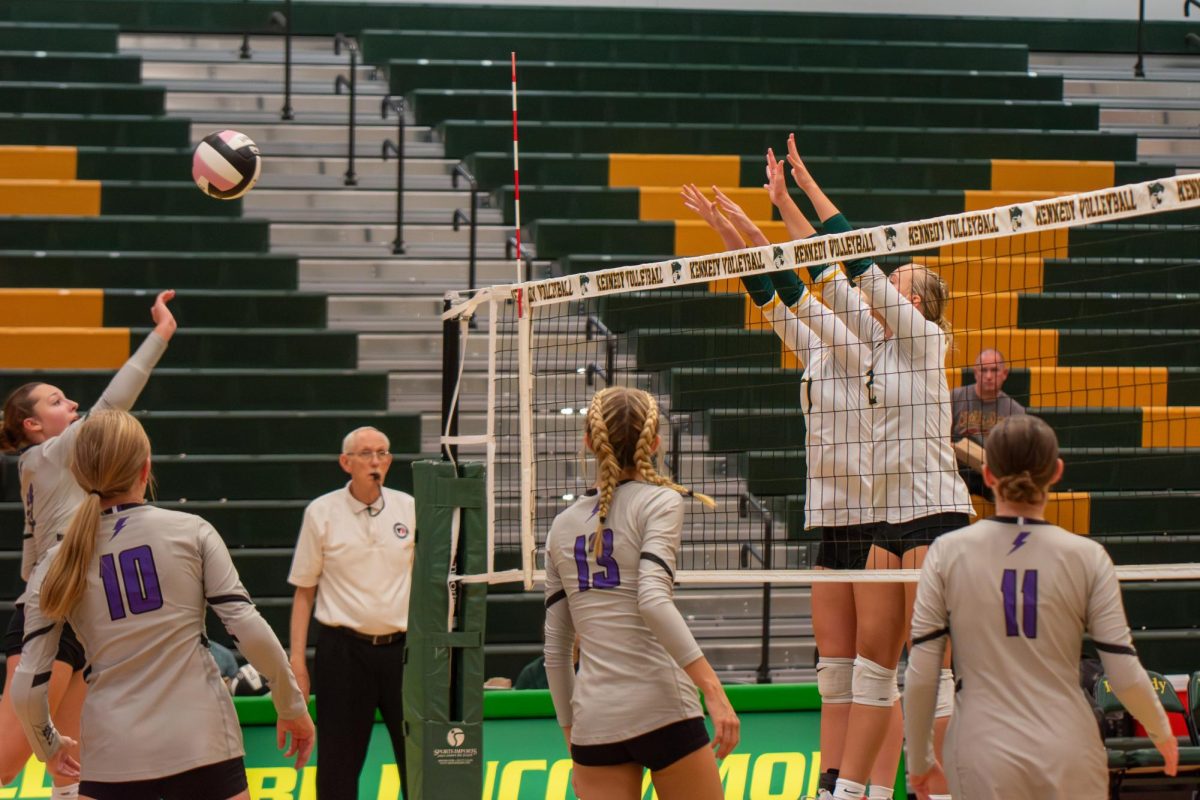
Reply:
x=218 y=781
x=845 y=546
x=655 y=750
x=70 y=651
x=901 y=537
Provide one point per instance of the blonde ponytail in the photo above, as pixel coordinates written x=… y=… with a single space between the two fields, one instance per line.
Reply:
x=110 y=451
x=935 y=296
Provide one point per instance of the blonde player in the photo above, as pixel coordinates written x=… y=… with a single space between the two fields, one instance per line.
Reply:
x=134 y=582
x=1016 y=595
x=835 y=398
x=610 y=566
x=40 y=423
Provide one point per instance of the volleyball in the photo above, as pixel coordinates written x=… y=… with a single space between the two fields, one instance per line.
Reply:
x=226 y=165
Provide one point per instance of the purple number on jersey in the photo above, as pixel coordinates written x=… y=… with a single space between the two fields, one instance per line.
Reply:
x=609 y=577
x=1029 y=591
x=142 y=591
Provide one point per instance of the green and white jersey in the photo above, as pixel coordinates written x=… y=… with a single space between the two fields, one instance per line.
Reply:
x=633 y=642
x=156 y=705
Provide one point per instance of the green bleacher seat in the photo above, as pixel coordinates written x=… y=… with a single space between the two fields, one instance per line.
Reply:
x=138 y=270
x=95 y=129
x=134 y=163
x=1121 y=274
x=248 y=348
x=301 y=432
x=117 y=233
x=19 y=65
x=222 y=309
x=678 y=311
x=161 y=198
x=25 y=97
x=73 y=37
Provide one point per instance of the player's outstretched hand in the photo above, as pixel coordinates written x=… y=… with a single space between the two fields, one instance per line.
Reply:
x=921 y=783
x=304 y=736
x=164 y=320
x=62 y=764
x=800 y=173
x=727 y=728
x=707 y=210
x=776 y=186
x=1169 y=747
x=734 y=213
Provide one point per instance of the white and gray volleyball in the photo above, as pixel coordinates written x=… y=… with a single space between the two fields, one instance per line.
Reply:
x=226 y=165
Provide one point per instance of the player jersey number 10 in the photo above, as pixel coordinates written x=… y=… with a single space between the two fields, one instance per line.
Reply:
x=141 y=590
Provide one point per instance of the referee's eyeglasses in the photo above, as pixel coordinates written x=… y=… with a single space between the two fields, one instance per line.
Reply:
x=367 y=455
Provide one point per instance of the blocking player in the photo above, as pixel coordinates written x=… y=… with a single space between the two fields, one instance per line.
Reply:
x=40 y=423
x=1016 y=594
x=134 y=581
x=610 y=566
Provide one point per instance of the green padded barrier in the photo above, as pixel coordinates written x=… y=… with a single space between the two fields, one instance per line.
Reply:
x=431 y=106
x=772 y=472
x=1172 y=652
x=264 y=572
x=161 y=198
x=1131 y=309
x=1129 y=274
x=114 y=233
x=1146 y=348
x=1161 y=549
x=1095 y=427
x=1158 y=605
x=468 y=136
x=256 y=348
x=74 y=67
x=557 y=237
x=751 y=429
x=380 y=46
x=218 y=390
x=25 y=97
x=790 y=509
x=696 y=388
x=444 y=668
x=1134 y=240
x=409 y=74
x=72 y=38
x=183 y=271
x=134 y=164
x=1128 y=469
x=670 y=309
x=304 y=432
x=666 y=348
x=1160 y=511
x=221 y=309
x=111 y=130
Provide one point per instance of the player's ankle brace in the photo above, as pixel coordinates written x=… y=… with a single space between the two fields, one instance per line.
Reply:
x=835 y=682
x=787 y=286
x=945 y=694
x=828 y=780
x=873 y=684
x=759 y=288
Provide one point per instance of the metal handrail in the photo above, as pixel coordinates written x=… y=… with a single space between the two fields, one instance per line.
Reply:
x=1139 y=69
x=396 y=104
x=340 y=41
x=593 y=327
x=748 y=503
x=280 y=21
x=461 y=171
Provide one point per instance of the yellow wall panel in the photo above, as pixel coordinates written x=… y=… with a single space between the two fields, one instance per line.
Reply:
x=664 y=202
x=1043 y=244
x=63 y=348
x=1071 y=511
x=981 y=276
x=695 y=238
x=982 y=311
x=635 y=169
x=66 y=308
x=22 y=161
x=1171 y=426
x=50 y=198
x=1052 y=176
x=1021 y=348
x=1097 y=386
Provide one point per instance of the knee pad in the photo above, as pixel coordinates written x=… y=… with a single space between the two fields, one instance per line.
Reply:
x=874 y=685
x=835 y=680
x=945 y=695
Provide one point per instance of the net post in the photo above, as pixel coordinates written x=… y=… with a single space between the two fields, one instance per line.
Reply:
x=450 y=366
x=528 y=463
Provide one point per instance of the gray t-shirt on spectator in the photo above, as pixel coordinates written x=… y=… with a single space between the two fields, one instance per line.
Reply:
x=974 y=418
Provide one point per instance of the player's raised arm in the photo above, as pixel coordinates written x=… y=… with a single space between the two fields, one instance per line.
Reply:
x=757 y=286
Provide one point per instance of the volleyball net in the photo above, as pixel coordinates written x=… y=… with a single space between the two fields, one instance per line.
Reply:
x=1083 y=309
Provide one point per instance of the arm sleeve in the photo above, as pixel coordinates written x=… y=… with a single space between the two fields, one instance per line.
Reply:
x=28 y=551
x=851 y=309
x=913 y=332
x=662 y=530
x=560 y=642
x=31 y=682
x=1109 y=629
x=308 y=560
x=795 y=335
x=930 y=632
x=229 y=600
x=850 y=353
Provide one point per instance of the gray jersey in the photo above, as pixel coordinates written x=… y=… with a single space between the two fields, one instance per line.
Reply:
x=1016 y=597
x=49 y=493
x=156 y=705
x=633 y=641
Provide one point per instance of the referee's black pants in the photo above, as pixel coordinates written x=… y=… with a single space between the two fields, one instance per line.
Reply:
x=352 y=678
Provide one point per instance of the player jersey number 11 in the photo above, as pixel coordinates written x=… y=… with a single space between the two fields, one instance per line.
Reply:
x=1029 y=596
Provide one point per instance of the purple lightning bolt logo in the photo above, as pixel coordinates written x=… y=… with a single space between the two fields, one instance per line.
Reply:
x=120 y=524
x=1017 y=542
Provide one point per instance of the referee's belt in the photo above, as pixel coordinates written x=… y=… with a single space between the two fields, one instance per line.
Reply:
x=377 y=640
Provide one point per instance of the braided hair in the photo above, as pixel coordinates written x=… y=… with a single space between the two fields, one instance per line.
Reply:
x=622 y=424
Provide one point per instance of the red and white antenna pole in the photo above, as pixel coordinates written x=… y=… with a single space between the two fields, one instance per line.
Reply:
x=516 y=172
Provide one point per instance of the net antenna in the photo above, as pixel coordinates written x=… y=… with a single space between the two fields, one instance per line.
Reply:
x=651 y=329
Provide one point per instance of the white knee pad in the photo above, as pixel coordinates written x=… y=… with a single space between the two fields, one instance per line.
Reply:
x=835 y=680
x=945 y=695
x=874 y=685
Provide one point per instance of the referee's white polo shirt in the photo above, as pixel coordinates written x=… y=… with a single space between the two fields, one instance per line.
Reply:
x=359 y=558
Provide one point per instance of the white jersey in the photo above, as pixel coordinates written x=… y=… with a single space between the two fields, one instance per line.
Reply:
x=1016 y=597
x=836 y=392
x=156 y=705
x=49 y=493
x=632 y=639
x=915 y=474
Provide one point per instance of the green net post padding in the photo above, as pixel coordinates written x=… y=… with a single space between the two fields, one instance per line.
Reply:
x=443 y=674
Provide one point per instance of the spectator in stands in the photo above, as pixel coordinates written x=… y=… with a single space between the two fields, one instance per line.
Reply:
x=976 y=410
x=353 y=562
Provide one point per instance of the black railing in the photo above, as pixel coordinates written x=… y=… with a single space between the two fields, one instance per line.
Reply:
x=1139 y=69
x=593 y=329
x=396 y=148
x=461 y=171
x=351 y=85
x=280 y=21
x=747 y=504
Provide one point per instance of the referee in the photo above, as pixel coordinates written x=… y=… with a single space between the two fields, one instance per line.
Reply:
x=353 y=561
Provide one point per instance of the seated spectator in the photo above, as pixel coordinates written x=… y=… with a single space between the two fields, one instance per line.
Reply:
x=976 y=409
